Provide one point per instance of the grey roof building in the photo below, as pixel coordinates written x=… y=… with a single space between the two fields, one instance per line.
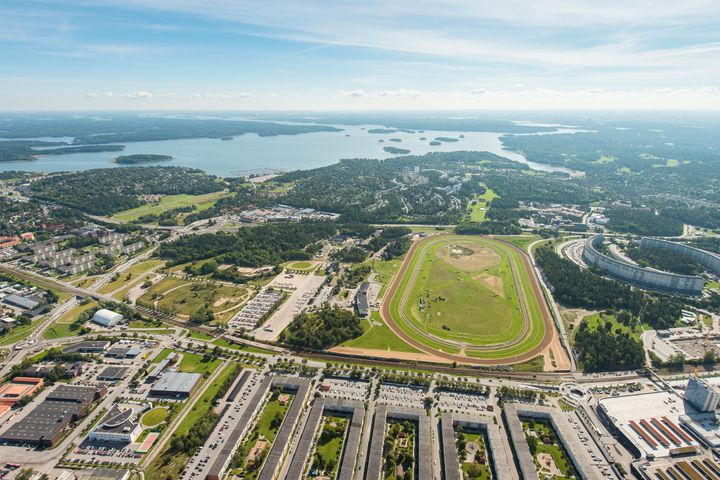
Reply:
x=175 y=384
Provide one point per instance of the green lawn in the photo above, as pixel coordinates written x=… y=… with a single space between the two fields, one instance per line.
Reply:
x=379 y=337
x=473 y=469
x=301 y=265
x=329 y=445
x=385 y=270
x=543 y=431
x=400 y=436
x=61 y=327
x=479 y=306
x=20 y=332
x=479 y=205
x=183 y=297
x=130 y=275
x=191 y=362
x=168 y=202
x=521 y=241
x=155 y=416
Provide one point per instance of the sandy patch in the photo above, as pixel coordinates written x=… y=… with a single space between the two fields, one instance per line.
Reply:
x=468 y=258
x=385 y=354
x=558 y=361
x=493 y=283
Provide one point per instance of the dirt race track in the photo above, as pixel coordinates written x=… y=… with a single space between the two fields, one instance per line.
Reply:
x=549 y=331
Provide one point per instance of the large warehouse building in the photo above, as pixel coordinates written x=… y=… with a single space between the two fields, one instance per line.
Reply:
x=643 y=277
x=175 y=385
x=45 y=424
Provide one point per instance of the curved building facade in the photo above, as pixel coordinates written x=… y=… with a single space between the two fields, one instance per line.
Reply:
x=709 y=260
x=643 y=277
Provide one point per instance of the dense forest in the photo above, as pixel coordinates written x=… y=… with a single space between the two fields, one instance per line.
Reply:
x=665 y=260
x=322 y=329
x=24 y=150
x=250 y=247
x=602 y=350
x=577 y=288
x=138 y=128
x=141 y=158
x=110 y=190
x=642 y=222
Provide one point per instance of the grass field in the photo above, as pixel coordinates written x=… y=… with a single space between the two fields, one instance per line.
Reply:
x=265 y=431
x=155 y=416
x=540 y=431
x=191 y=362
x=329 y=446
x=61 y=327
x=378 y=336
x=303 y=266
x=20 y=332
x=168 y=202
x=478 y=207
x=521 y=241
x=182 y=297
x=472 y=468
x=130 y=275
x=463 y=290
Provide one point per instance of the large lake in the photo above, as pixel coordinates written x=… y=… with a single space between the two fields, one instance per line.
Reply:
x=252 y=153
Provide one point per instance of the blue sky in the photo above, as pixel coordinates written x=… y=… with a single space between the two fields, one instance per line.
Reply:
x=370 y=54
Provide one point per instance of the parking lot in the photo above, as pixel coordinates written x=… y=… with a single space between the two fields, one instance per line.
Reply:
x=345 y=389
x=304 y=288
x=462 y=403
x=402 y=396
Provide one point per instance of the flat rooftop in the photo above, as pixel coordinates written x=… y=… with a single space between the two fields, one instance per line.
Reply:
x=176 y=382
x=651 y=421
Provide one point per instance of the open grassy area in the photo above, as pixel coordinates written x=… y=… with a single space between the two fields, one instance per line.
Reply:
x=20 y=332
x=254 y=450
x=329 y=445
x=61 y=327
x=303 y=266
x=183 y=297
x=521 y=241
x=479 y=205
x=385 y=270
x=378 y=336
x=168 y=202
x=464 y=289
x=545 y=441
x=473 y=455
x=191 y=362
x=154 y=416
x=131 y=274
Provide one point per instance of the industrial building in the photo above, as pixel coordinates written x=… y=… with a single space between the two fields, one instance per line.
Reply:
x=658 y=429
x=106 y=318
x=701 y=395
x=45 y=424
x=112 y=374
x=123 y=351
x=87 y=347
x=175 y=385
x=15 y=390
x=116 y=426
x=640 y=276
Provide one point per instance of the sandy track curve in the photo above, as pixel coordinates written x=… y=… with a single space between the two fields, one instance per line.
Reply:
x=548 y=325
